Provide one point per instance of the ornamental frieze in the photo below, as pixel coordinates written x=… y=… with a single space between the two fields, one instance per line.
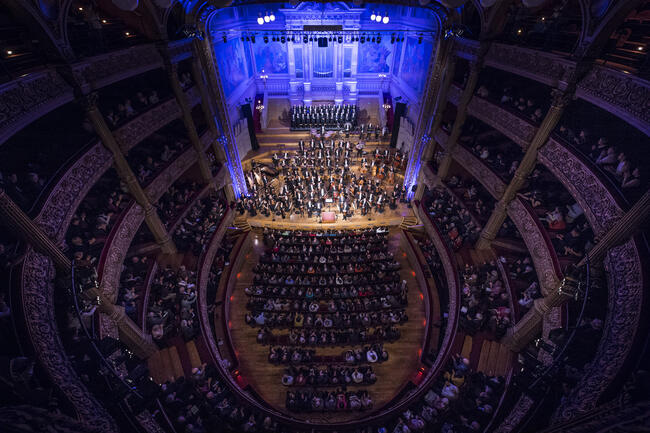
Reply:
x=622 y=94
x=27 y=98
x=492 y=183
x=519 y=130
x=129 y=135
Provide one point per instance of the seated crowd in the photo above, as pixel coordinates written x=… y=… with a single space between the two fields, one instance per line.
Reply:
x=519 y=97
x=452 y=218
x=124 y=109
x=327 y=288
x=609 y=157
x=196 y=228
x=174 y=201
x=477 y=200
x=148 y=159
x=485 y=301
x=524 y=279
x=564 y=219
x=95 y=216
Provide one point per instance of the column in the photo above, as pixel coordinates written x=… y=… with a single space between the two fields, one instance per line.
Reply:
x=19 y=223
x=197 y=77
x=233 y=162
x=204 y=165
x=130 y=334
x=530 y=325
x=461 y=115
x=15 y=219
x=528 y=162
x=442 y=101
x=126 y=174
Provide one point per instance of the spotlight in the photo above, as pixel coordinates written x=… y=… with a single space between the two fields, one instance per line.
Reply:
x=311 y=39
x=378 y=17
x=305 y=39
x=81 y=9
x=248 y=39
x=340 y=39
x=373 y=39
x=420 y=39
x=283 y=40
x=127 y=34
x=272 y=16
x=225 y=39
x=9 y=52
x=293 y=39
x=104 y=21
x=392 y=38
x=266 y=39
x=385 y=20
x=242 y=39
x=267 y=18
x=330 y=39
x=379 y=39
x=373 y=16
x=260 y=20
x=363 y=39
x=253 y=39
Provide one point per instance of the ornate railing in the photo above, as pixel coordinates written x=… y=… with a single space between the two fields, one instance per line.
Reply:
x=180 y=50
x=99 y=71
x=484 y=174
x=624 y=95
x=29 y=97
x=466 y=48
x=541 y=66
x=38 y=308
x=516 y=128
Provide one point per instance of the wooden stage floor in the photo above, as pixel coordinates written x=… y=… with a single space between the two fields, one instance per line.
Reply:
x=265 y=378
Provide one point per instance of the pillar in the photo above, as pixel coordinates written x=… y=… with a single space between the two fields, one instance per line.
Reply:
x=197 y=77
x=188 y=121
x=126 y=174
x=441 y=104
x=19 y=223
x=130 y=334
x=461 y=113
x=526 y=166
x=15 y=219
x=529 y=327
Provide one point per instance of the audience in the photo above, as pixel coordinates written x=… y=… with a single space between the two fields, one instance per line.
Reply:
x=452 y=218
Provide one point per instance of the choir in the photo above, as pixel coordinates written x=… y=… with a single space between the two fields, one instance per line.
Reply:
x=324 y=117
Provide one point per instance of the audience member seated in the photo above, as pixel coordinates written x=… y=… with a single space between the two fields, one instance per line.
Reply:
x=196 y=228
x=451 y=218
x=328 y=401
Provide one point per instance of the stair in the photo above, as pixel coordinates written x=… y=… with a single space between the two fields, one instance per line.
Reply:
x=242 y=223
x=168 y=364
x=408 y=222
x=494 y=358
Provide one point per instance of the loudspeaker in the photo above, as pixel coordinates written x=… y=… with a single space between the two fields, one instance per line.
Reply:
x=248 y=114
x=400 y=110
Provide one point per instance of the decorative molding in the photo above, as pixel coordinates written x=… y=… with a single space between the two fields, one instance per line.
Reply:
x=600 y=206
x=454 y=93
x=29 y=97
x=484 y=174
x=516 y=415
x=519 y=130
x=535 y=241
x=100 y=71
x=180 y=50
x=70 y=190
x=624 y=95
x=129 y=135
x=38 y=306
x=541 y=66
x=625 y=295
x=168 y=176
x=466 y=48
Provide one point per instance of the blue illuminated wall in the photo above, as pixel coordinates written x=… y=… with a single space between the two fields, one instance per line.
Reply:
x=376 y=57
x=233 y=64
x=415 y=63
x=271 y=58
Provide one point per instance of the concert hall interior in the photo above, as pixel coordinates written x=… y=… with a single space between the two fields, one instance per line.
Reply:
x=311 y=217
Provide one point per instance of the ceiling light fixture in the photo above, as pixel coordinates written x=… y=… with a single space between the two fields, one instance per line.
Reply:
x=260 y=20
x=267 y=18
x=272 y=16
x=378 y=17
x=385 y=20
x=373 y=16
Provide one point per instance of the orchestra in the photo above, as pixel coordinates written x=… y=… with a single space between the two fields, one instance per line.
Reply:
x=325 y=175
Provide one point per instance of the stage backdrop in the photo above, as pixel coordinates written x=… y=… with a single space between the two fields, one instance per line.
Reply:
x=271 y=58
x=233 y=64
x=375 y=58
x=416 y=63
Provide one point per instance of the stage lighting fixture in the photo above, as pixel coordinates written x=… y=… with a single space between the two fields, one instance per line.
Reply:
x=225 y=39
x=340 y=39
x=311 y=39
x=373 y=39
x=378 y=17
x=305 y=39
x=293 y=39
x=330 y=39
x=266 y=39
x=260 y=20
x=272 y=16
x=253 y=39
x=373 y=16
x=248 y=39
x=267 y=18
x=385 y=20
x=392 y=38
x=363 y=39
x=242 y=39
x=379 y=39
x=420 y=39
x=283 y=40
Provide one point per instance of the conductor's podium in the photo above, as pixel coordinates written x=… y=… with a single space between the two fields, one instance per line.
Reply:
x=328 y=217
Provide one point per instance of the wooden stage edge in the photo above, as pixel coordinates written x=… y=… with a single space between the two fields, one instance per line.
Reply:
x=392 y=218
